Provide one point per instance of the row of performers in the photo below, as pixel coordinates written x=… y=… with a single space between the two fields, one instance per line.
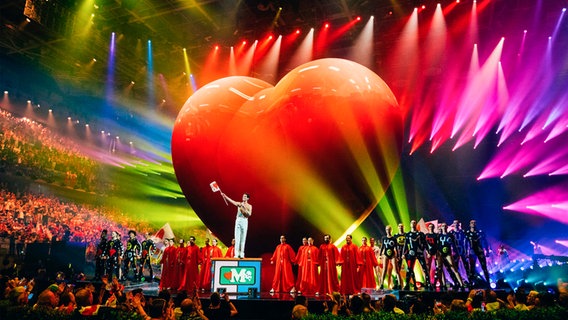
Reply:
x=436 y=251
x=180 y=264
x=113 y=259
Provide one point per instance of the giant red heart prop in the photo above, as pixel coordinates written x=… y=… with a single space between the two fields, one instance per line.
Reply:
x=315 y=152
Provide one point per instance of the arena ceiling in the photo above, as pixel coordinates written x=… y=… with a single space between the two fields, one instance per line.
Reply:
x=65 y=36
x=50 y=32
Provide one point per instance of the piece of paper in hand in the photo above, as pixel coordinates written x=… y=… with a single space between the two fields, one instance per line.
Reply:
x=214 y=186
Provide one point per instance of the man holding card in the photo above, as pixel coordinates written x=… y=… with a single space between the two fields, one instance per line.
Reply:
x=244 y=211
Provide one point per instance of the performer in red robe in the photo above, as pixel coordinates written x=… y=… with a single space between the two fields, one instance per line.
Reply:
x=231 y=250
x=329 y=258
x=165 y=278
x=174 y=265
x=192 y=262
x=283 y=258
x=298 y=258
x=180 y=265
x=368 y=264
x=208 y=252
x=308 y=269
x=349 y=268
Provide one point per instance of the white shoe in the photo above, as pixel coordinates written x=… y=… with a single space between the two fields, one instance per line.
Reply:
x=272 y=290
x=293 y=291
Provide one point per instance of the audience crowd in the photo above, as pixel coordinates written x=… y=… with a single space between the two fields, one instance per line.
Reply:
x=109 y=300
x=35 y=218
x=30 y=149
x=552 y=303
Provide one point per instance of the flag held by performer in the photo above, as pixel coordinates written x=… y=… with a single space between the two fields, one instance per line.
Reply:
x=165 y=232
x=215 y=187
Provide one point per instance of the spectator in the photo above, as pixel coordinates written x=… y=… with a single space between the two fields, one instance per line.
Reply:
x=191 y=311
x=300 y=309
x=160 y=309
x=458 y=305
x=533 y=299
x=367 y=306
x=18 y=296
x=84 y=300
x=48 y=299
x=220 y=307
x=475 y=300
x=493 y=303
x=389 y=304
x=518 y=301
x=356 y=305
x=67 y=302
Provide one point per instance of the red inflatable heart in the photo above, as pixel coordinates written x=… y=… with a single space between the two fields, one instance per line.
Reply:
x=315 y=152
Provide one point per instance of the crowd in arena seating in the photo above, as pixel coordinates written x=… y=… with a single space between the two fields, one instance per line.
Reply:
x=27 y=218
x=30 y=149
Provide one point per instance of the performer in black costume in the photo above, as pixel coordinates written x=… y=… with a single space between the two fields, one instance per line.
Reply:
x=115 y=250
x=432 y=253
x=477 y=245
x=414 y=249
x=446 y=246
x=388 y=255
x=461 y=246
x=101 y=256
x=400 y=242
x=131 y=255
x=148 y=246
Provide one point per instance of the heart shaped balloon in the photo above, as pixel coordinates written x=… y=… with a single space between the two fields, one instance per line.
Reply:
x=315 y=152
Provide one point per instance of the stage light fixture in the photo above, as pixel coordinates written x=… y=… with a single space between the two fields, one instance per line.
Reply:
x=326 y=25
x=5 y=92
